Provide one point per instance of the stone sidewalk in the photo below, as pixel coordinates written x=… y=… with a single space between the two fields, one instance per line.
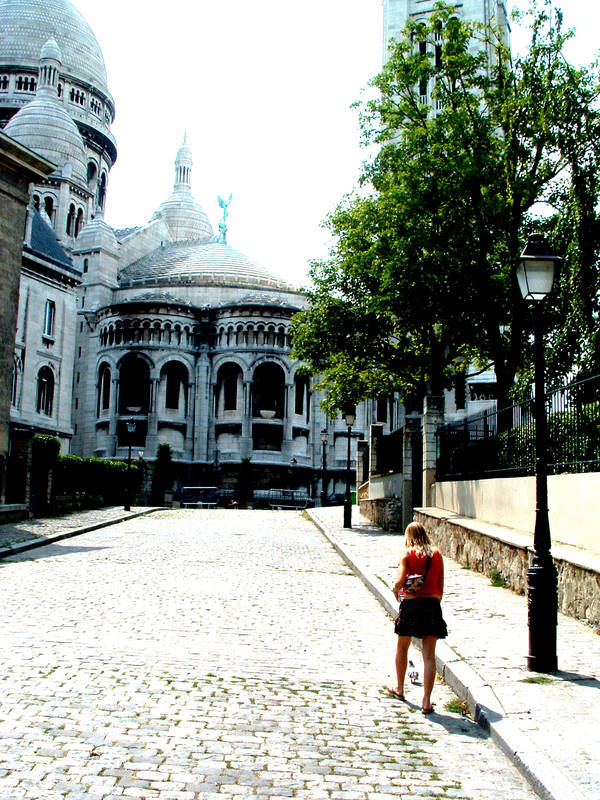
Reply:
x=548 y=724
x=18 y=537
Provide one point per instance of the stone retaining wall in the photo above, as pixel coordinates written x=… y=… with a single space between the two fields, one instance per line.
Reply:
x=385 y=512
x=14 y=512
x=510 y=557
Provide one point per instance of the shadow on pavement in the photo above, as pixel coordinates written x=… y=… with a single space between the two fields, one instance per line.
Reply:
x=462 y=726
x=577 y=677
x=47 y=551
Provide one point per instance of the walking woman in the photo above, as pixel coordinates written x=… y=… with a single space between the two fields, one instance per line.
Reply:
x=420 y=610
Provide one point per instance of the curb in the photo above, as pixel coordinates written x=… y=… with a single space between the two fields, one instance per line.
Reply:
x=487 y=710
x=6 y=552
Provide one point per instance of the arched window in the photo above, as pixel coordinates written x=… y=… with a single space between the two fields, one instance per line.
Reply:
x=102 y=190
x=49 y=208
x=228 y=380
x=79 y=221
x=104 y=382
x=36 y=202
x=71 y=220
x=134 y=385
x=301 y=392
x=268 y=390
x=3 y=83
x=86 y=264
x=174 y=377
x=45 y=391
x=438 y=46
x=17 y=372
x=92 y=171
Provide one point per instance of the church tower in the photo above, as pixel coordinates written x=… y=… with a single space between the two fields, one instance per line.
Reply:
x=396 y=13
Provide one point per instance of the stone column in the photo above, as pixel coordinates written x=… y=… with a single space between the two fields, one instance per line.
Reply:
x=375 y=436
x=188 y=444
x=412 y=427
x=286 y=448
x=433 y=415
x=362 y=454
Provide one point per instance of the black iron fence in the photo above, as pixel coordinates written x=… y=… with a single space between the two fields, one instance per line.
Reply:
x=389 y=452
x=501 y=443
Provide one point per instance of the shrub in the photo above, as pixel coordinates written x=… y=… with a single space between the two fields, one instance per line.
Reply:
x=94 y=482
x=163 y=476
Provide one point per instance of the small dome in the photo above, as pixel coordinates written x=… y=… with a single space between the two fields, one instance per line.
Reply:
x=185 y=218
x=184 y=155
x=43 y=125
x=51 y=51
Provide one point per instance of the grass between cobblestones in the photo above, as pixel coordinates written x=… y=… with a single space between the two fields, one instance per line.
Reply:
x=213 y=736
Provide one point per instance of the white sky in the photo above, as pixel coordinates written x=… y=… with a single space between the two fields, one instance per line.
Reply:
x=263 y=90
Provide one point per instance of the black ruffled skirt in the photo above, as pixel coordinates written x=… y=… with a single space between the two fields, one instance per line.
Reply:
x=420 y=617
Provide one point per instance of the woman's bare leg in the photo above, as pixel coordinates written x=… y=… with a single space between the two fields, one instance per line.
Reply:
x=429 y=643
x=401 y=661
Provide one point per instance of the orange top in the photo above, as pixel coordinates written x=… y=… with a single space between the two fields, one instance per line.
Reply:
x=417 y=564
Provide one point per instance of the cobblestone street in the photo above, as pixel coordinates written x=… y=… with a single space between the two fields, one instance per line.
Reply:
x=201 y=654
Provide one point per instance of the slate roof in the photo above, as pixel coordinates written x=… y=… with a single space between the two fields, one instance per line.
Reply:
x=45 y=245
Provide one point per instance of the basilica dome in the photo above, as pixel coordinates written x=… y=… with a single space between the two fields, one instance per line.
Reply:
x=197 y=263
x=25 y=25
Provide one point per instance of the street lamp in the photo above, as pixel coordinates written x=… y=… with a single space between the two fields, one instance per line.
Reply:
x=130 y=431
x=324 y=440
x=349 y=418
x=535 y=274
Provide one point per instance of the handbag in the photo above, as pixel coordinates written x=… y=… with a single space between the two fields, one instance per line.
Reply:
x=414 y=582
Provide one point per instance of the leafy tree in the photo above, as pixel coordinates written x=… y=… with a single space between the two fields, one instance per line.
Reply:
x=421 y=282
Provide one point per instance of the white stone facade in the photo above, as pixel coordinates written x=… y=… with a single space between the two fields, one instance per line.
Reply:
x=396 y=13
x=189 y=338
x=165 y=326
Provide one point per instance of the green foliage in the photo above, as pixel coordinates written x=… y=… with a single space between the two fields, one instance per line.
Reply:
x=421 y=279
x=497 y=579
x=45 y=450
x=163 y=475
x=93 y=482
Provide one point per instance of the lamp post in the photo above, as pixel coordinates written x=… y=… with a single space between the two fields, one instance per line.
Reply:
x=324 y=441
x=349 y=418
x=535 y=274
x=130 y=431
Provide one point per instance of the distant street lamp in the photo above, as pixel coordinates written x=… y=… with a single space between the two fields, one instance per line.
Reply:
x=349 y=418
x=324 y=440
x=130 y=431
x=535 y=274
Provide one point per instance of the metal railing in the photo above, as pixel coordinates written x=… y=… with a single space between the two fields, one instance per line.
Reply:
x=502 y=443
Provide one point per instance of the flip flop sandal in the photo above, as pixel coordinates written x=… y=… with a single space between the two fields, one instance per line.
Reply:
x=394 y=693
